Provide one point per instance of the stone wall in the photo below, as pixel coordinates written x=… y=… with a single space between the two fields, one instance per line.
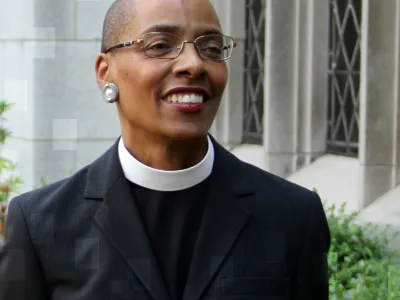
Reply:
x=47 y=54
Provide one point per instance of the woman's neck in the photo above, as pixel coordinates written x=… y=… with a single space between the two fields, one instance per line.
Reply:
x=163 y=153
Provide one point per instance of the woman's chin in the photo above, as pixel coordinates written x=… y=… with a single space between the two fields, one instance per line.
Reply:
x=185 y=133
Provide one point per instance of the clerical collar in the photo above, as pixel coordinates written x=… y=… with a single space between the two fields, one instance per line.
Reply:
x=161 y=180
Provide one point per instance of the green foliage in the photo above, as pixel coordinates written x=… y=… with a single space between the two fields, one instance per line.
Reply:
x=43 y=182
x=8 y=182
x=360 y=263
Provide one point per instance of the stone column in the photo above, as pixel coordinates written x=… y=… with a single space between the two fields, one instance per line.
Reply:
x=313 y=63
x=15 y=70
x=397 y=145
x=281 y=86
x=379 y=151
x=296 y=77
x=228 y=126
x=47 y=53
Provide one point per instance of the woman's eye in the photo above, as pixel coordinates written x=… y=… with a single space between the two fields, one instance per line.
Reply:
x=212 y=49
x=156 y=46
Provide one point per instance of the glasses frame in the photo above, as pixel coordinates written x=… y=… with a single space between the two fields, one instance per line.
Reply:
x=141 y=40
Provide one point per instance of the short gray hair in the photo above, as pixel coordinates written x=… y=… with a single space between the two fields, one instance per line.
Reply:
x=118 y=16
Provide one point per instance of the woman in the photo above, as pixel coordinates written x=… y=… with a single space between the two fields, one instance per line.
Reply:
x=165 y=213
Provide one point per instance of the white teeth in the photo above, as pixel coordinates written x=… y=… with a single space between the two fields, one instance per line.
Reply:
x=185 y=98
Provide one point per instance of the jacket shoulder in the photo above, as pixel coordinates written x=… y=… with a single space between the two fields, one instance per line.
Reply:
x=265 y=181
x=284 y=203
x=39 y=200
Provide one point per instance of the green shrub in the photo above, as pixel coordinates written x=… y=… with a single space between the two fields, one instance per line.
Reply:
x=8 y=182
x=360 y=263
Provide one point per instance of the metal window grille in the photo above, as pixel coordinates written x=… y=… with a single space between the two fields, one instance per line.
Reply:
x=254 y=72
x=344 y=77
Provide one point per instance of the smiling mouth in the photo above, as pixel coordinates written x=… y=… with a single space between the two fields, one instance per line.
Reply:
x=185 y=98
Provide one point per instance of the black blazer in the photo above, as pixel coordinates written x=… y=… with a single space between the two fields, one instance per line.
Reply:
x=262 y=237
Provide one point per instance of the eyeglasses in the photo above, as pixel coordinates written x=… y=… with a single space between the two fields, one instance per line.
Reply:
x=168 y=46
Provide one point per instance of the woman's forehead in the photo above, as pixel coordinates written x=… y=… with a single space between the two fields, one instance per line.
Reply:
x=196 y=17
x=180 y=30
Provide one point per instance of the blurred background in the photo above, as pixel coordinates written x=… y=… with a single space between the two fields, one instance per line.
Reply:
x=313 y=95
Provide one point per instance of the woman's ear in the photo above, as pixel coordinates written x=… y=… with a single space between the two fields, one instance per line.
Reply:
x=102 y=68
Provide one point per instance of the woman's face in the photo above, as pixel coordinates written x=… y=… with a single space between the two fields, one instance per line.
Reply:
x=146 y=84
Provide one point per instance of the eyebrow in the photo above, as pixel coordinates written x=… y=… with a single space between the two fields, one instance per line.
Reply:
x=210 y=30
x=174 y=29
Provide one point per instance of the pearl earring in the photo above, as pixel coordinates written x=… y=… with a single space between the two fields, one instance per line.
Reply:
x=110 y=93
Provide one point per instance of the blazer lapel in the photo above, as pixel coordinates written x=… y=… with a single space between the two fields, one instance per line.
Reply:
x=223 y=220
x=119 y=219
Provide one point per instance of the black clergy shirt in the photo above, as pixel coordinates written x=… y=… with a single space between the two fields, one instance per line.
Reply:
x=172 y=221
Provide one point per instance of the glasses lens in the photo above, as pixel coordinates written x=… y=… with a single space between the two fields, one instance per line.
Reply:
x=161 y=45
x=215 y=47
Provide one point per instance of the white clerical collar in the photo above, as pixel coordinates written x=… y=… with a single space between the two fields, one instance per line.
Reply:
x=161 y=180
